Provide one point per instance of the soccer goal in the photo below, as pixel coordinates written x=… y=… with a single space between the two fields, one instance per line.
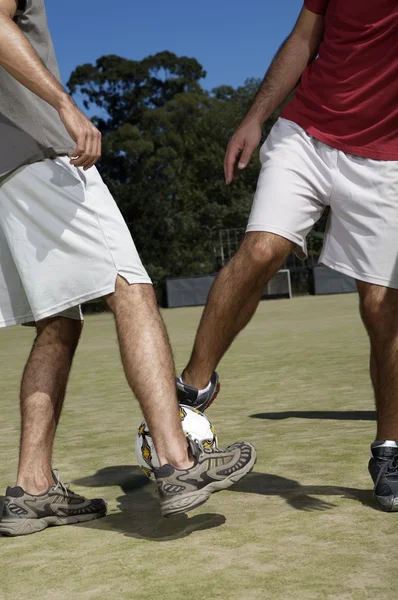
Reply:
x=280 y=286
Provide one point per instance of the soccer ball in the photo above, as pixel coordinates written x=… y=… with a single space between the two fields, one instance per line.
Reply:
x=194 y=423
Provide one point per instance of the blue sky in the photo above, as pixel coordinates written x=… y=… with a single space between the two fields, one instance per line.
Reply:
x=232 y=39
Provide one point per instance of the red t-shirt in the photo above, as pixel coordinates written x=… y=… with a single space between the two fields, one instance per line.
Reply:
x=348 y=97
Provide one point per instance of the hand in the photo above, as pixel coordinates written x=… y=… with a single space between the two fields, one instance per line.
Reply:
x=84 y=133
x=242 y=145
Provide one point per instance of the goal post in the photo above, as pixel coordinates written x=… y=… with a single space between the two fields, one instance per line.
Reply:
x=279 y=286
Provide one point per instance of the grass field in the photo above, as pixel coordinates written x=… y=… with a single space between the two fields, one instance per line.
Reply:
x=302 y=526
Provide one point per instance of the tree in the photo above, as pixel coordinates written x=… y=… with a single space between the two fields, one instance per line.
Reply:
x=163 y=149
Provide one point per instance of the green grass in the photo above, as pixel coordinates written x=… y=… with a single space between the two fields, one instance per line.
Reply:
x=302 y=526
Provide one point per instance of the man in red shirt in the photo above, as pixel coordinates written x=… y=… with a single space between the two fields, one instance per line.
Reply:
x=335 y=145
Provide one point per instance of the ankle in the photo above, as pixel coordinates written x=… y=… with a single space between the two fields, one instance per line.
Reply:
x=36 y=483
x=182 y=465
x=198 y=381
x=179 y=460
x=390 y=439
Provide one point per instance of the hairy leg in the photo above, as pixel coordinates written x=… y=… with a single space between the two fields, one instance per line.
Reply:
x=149 y=367
x=43 y=390
x=379 y=311
x=233 y=301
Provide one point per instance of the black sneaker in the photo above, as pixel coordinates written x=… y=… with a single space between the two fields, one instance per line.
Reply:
x=214 y=470
x=192 y=397
x=25 y=513
x=383 y=468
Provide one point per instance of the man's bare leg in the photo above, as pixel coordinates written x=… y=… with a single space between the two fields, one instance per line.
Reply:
x=149 y=368
x=379 y=310
x=43 y=389
x=233 y=301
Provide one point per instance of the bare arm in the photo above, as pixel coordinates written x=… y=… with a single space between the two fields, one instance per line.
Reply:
x=295 y=54
x=299 y=49
x=18 y=57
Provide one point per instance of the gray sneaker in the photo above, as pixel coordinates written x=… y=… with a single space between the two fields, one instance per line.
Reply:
x=24 y=513
x=214 y=470
x=191 y=396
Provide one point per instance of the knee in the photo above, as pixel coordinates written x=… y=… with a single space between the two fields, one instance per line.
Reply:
x=379 y=313
x=127 y=294
x=263 y=252
x=59 y=330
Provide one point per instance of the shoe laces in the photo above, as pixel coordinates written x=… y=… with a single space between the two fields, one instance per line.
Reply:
x=198 y=447
x=390 y=467
x=63 y=487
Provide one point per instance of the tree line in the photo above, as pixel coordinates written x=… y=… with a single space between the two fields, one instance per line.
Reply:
x=164 y=140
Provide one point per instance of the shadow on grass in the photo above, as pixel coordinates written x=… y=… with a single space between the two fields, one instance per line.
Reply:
x=300 y=497
x=139 y=515
x=336 y=415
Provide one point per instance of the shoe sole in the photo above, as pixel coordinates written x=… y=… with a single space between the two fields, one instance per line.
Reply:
x=16 y=527
x=191 y=500
x=387 y=503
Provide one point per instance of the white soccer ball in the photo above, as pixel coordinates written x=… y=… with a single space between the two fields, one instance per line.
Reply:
x=194 y=423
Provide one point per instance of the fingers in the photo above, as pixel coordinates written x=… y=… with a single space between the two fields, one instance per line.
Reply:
x=233 y=151
x=96 y=148
x=79 y=150
x=237 y=149
x=88 y=149
x=241 y=147
x=85 y=134
x=245 y=157
x=84 y=157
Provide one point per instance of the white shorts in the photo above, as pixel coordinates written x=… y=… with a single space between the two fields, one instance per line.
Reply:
x=300 y=176
x=63 y=241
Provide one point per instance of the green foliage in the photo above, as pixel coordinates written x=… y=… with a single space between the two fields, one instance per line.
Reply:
x=163 y=150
